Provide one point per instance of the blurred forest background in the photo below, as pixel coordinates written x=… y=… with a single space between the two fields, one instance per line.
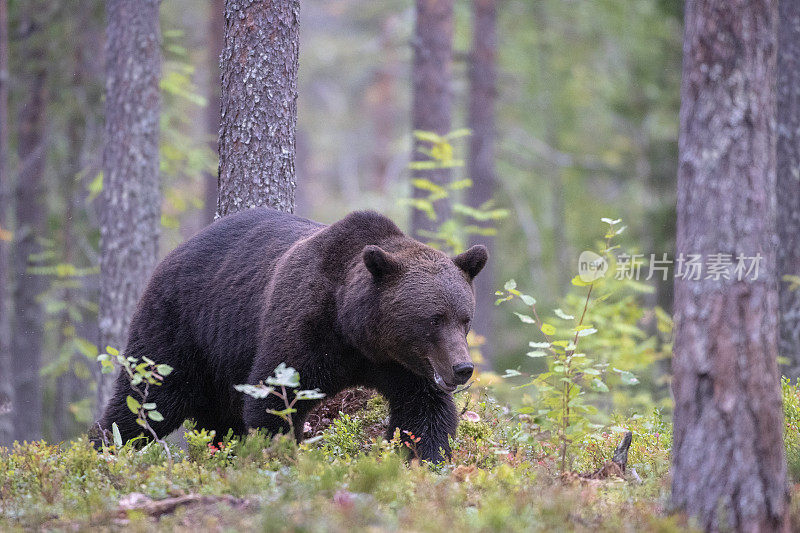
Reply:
x=587 y=100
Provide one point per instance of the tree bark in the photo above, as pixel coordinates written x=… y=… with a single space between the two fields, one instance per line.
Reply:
x=131 y=202
x=432 y=96
x=6 y=385
x=482 y=97
x=259 y=105
x=729 y=469
x=216 y=42
x=28 y=325
x=788 y=172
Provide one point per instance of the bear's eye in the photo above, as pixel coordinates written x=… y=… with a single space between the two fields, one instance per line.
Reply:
x=437 y=320
x=467 y=323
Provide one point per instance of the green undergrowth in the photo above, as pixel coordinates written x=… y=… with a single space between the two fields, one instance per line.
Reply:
x=350 y=480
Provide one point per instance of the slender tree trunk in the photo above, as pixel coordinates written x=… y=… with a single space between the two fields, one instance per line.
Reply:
x=729 y=469
x=381 y=99
x=216 y=42
x=432 y=96
x=28 y=324
x=131 y=201
x=259 y=106
x=482 y=97
x=788 y=171
x=6 y=385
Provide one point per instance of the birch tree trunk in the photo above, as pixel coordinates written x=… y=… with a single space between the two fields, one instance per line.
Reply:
x=729 y=469
x=788 y=171
x=432 y=96
x=482 y=97
x=30 y=213
x=259 y=106
x=130 y=215
x=6 y=385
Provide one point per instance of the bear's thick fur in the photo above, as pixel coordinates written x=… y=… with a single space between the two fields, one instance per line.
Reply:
x=353 y=303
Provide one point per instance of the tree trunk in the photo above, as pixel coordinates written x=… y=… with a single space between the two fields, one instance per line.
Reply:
x=432 y=96
x=381 y=102
x=131 y=202
x=259 y=106
x=216 y=41
x=729 y=469
x=28 y=325
x=788 y=172
x=482 y=96
x=6 y=385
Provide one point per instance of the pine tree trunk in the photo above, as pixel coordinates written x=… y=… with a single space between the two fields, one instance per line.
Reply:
x=788 y=165
x=432 y=96
x=215 y=44
x=729 y=469
x=259 y=106
x=131 y=201
x=6 y=386
x=482 y=96
x=27 y=332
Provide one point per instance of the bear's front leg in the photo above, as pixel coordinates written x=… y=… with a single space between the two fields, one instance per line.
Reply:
x=422 y=409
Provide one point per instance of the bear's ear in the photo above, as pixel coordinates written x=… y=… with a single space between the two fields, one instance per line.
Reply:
x=379 y=262
x=473 y=260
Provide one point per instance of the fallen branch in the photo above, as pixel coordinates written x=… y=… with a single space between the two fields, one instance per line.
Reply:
x=619 y=462
x=137 y=501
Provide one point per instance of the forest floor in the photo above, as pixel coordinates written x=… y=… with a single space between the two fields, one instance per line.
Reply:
x=347 y=480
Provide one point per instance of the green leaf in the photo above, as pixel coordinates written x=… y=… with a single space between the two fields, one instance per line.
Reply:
x=586 y=332
x=528 y=300
x=164 y=370
x=562 y=315
x=255 y=391
x=457 y=133
x=626 y=377
x=314 y=394
x=510 y=284
x=133 y=404
x=428 y=136
x=155 y=416
x=548 y=329
x=117 y=436
x=149 y=406
x=510 y=373
x=598 y=385
x=112 y=350
x=284 y=376
x=578 y=282
x=525 y=318
x=539 y=344
x=537 y=353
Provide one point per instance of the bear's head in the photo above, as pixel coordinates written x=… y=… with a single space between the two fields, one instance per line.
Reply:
x=414 y=306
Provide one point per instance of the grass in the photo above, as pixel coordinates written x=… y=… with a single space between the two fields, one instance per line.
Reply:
x=500 y=479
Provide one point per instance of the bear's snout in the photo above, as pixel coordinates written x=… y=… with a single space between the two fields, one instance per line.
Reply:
x=462 y=372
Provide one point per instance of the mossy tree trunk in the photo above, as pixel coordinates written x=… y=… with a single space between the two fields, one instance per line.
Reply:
x=729 y=469
x=788 y=172
x=259 y=105
x=130 y=207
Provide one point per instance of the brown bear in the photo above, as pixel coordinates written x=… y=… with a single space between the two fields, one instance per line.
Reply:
x=353 y=303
